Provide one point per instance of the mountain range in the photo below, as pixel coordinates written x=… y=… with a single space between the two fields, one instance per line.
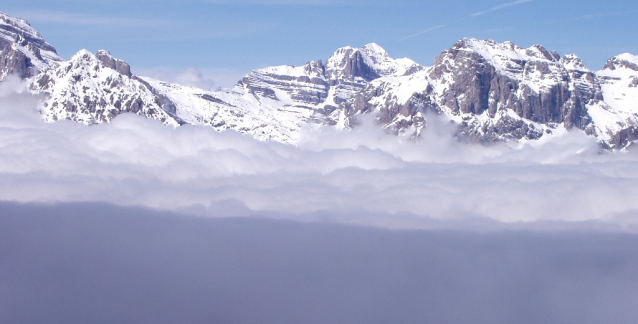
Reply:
x=491 y=91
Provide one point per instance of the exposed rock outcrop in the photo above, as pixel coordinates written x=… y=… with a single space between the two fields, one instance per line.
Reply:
x=112 y=63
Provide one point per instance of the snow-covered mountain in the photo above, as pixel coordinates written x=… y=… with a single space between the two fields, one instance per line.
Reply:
x=491 y=91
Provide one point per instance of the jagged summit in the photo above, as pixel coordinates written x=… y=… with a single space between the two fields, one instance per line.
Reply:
x=113 y=63
x=622 y=61
x=369 y=62
x=573 y=63
x=374 y=49
x=505 y=57
x=350 y=63
x=507 y=50
x=628 y=57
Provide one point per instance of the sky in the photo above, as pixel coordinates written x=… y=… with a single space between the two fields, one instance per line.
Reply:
x=222 y=40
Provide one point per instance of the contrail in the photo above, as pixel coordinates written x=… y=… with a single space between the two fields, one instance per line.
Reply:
x=422 y=32
x=505 y=5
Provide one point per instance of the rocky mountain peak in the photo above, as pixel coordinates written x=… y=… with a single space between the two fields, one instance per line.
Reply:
x=573 y=63
x=541 y=53
x=101 y=59
x=378 y=59
x=481 y=45
x=349 y=63
x=622 y=61
x=375 y=53
x=113 y=63
x=494 y=51
x=315 y=69
x=83 y=56
x=369 y=62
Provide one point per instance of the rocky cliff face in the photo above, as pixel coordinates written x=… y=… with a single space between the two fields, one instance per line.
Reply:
x=23 y=51
x=109 y=61
x=492 y=91
x=485 y=77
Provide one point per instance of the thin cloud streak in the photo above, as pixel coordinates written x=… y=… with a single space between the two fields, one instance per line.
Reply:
x=279 y=2
x=422 y=32
x=499 y=7
x=88 y=19
x=592 y=16
x=296 y=3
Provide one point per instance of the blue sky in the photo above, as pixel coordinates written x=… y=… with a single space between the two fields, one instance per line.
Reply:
x=234 y=37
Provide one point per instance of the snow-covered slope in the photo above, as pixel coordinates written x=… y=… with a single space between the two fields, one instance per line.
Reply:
x=616 y=118
x=234 y=109
x=619 y=82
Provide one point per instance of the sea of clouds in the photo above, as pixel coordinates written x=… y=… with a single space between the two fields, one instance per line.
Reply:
x=364 y=176
x=97 y=226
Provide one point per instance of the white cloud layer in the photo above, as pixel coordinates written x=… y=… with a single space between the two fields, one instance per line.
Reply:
x=363 y=176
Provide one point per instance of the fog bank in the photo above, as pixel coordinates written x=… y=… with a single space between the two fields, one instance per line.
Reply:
x=99 y=263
